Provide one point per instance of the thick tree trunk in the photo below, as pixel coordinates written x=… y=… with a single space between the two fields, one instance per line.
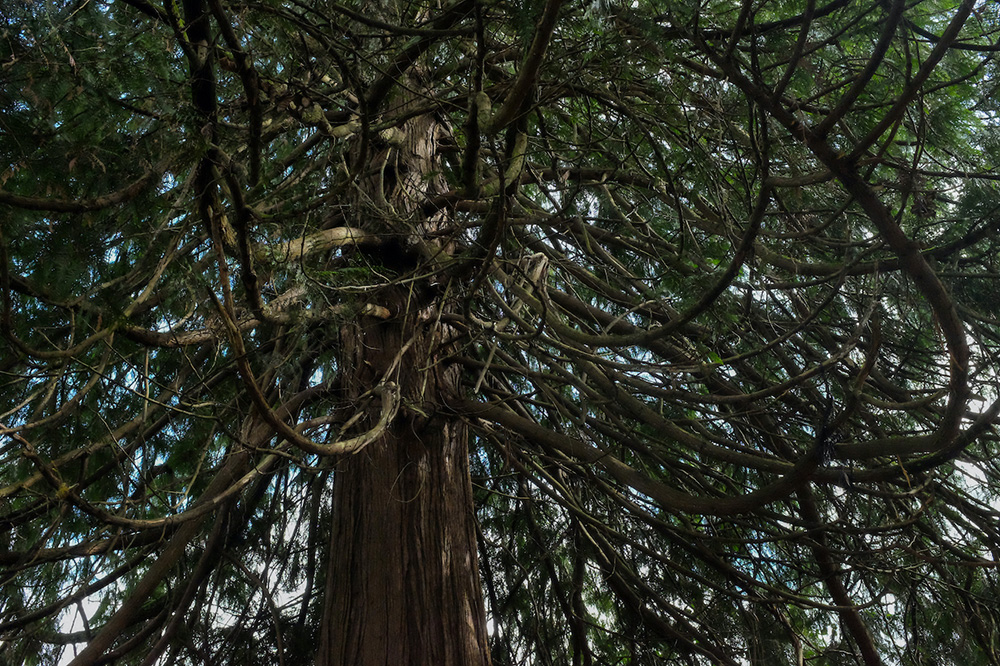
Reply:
x=403 y=578
x=403 y=581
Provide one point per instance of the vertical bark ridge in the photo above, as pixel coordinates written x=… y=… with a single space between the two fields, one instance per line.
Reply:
x=403 y=580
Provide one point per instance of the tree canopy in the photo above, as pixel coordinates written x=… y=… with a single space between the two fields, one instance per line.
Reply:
x=709 y=291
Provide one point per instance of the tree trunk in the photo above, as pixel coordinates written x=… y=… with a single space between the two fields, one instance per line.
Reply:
x=403 y=575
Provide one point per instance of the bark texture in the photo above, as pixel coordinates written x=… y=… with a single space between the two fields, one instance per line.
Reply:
x=403 y=579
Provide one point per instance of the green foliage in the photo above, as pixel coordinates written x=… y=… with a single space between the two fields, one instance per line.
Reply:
x=769 y=290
